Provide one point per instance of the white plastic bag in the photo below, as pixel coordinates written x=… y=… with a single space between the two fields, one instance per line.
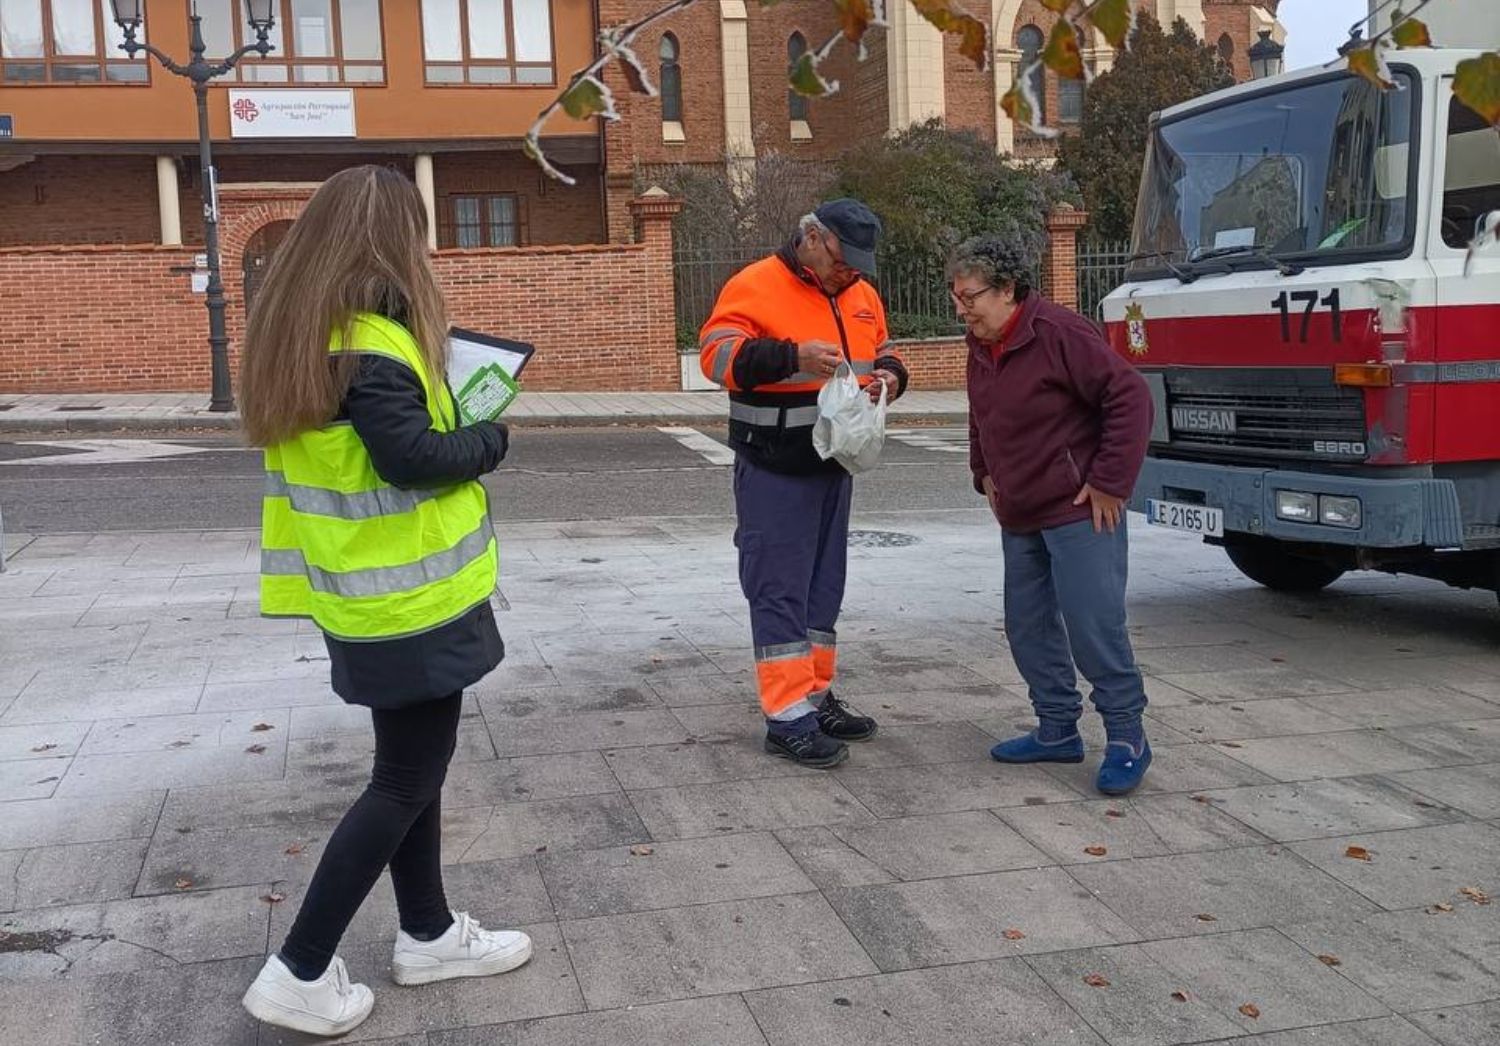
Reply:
x=849 y=428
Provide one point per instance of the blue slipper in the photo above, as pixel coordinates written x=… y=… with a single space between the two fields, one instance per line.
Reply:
x=1122 y=769
x=1028 y=748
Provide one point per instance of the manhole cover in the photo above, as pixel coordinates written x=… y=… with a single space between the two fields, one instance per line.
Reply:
x=880 y=539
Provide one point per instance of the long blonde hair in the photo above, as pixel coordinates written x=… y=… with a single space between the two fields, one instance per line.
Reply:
x=359 y=246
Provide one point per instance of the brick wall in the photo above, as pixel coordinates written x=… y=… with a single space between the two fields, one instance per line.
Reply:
x=935 y=363
x=112 y=199
x=969 y=93
x=59 y=199
x=118 y=319
x=100 y=319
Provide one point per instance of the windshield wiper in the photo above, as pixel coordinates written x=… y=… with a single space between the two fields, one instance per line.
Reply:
x=1246 y=250
x=1183 y=276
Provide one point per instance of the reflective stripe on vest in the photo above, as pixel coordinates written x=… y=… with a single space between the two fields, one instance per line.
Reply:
x=796 y=417
x=364 y=559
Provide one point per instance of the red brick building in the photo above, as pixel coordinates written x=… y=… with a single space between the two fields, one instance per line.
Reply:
x=727 y=95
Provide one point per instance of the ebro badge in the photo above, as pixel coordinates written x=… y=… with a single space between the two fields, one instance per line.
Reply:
x=1135 y=330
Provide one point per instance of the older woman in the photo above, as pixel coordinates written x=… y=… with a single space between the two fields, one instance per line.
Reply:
x=1058 y=427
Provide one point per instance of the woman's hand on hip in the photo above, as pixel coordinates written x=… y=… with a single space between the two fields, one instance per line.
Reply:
x=1108 y=509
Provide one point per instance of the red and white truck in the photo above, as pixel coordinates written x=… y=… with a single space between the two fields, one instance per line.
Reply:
x=1326 y=373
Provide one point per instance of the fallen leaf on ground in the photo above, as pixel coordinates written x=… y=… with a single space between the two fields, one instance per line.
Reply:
x=1439 y=908
x=841 y=1001
x=1251 y=1010
x=44 y=748
x=179 y=744
x=256 y=749
x=1475 y=894
x=1096 y=851
x=1202 y=799
x=641 y=851
x=184 y=883
x=1204 y=917
x=1096 y=980
x=273 y=898
x=260 y=728
x=1357 y=853
x=1180 y=996
x=1330 y=960
x=1230 y=744
x=1114 y=813
x=294 y=849
x=1013 y=935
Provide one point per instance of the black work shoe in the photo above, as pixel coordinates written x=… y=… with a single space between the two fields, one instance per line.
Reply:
x=835 y=720
x=809 y=749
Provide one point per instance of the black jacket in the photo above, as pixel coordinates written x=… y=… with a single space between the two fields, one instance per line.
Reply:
x=388 y=410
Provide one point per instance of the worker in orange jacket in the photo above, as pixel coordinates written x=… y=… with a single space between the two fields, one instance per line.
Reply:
x=779 y=330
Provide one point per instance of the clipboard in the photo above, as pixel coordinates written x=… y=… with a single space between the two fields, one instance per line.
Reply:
x=485 y=371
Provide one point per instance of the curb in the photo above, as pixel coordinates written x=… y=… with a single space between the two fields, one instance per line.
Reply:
x=104 y=423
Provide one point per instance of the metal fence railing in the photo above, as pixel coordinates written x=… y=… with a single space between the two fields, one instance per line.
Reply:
x=915 y=294
x=1101 y=268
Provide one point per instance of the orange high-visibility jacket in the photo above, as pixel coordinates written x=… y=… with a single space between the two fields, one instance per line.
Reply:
x=749 y=345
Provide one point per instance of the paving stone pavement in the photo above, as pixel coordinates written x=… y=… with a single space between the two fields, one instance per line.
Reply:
x=1309 y=863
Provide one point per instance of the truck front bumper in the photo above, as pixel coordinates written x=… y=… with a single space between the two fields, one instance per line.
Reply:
x=1395 y=513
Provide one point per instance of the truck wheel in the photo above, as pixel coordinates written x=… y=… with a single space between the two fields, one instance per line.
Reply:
x=1266 y=563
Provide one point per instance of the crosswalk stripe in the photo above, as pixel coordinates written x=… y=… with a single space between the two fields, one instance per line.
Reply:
x=714 y=452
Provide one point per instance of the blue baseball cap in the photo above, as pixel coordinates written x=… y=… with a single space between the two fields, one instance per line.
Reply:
x=857 y=230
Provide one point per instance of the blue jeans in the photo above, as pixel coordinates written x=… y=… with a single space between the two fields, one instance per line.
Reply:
x=1065 y=605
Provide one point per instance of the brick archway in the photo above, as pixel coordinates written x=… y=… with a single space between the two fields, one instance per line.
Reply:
x=244 y=210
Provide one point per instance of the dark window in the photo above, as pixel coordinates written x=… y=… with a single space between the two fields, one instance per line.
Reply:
x=1069 y=100
x=313 y=42
x=488 y=41
x=1226 y=48
x=796 y=103
x=1030 y=42
x=1471 y=174
x=473 y=221
x=671 y=80
x=65 y=42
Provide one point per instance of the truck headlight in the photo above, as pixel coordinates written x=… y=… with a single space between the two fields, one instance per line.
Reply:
x=1296 y=506
x=1339 y=512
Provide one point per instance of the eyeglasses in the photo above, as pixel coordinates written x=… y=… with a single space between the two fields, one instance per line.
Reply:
x=968 y=298
x=836 y=255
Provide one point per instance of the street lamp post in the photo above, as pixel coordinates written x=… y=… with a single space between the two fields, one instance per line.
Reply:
x=128 y=15
x=1266 y=56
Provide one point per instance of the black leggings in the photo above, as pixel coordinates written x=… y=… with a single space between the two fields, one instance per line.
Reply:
x=396 y=822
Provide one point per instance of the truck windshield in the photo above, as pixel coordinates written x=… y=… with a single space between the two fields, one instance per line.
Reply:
x=1312 y=170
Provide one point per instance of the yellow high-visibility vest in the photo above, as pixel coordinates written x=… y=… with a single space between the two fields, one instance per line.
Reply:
x=364 y=559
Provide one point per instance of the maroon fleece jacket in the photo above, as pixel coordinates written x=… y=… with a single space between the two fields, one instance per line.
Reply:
x=1056 y=408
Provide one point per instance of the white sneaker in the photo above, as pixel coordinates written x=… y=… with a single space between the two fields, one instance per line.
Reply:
x=329 y=1005
x=466 y=950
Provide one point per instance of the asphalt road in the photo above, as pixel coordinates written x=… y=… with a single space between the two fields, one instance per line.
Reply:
x=192 y=483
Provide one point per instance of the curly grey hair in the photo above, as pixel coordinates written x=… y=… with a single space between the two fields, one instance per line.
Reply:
x=996 y=260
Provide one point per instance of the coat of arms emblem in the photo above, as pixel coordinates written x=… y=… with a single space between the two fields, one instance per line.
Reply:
x=1135 y=330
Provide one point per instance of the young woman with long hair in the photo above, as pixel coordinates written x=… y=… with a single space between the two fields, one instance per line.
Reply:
x=375 y=526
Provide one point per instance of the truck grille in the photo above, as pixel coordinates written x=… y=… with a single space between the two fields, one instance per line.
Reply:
x=1274 y=414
